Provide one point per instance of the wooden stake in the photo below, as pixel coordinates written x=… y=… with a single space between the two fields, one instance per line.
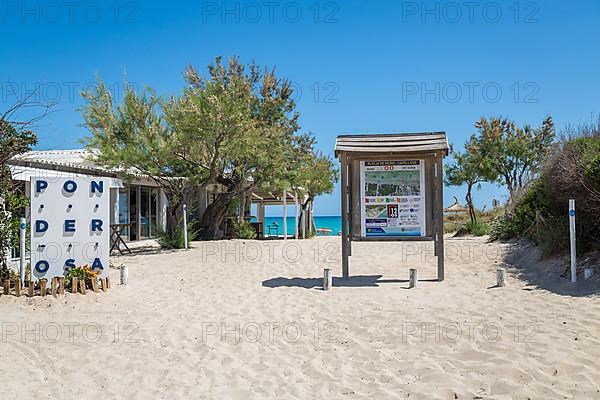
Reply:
x=327 y=279
x=6 y=287
x=103 y=284
x=43 y=283
x=61 y=285
x=74 y=285
x=107 y=282
x=53 y=286
x=18 y=288
x=501 y=277
x=413 y=279
x=82 y=286
x=31 y=289
x=95 y=285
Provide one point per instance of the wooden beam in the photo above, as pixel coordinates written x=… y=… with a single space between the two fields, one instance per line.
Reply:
x=350 y=205
x=344 y=172
x=285 y=215
x=440 y=217
x=296 y=233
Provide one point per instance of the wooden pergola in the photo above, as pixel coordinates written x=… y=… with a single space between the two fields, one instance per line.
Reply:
x=266 y=198
x=424 y=150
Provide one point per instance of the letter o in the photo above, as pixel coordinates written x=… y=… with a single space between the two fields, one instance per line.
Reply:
x=42 y=266
x=70 y=186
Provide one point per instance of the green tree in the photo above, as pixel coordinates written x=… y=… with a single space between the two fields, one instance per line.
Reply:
x=470 y=171
x=515 y=154
x=133 y=138
x=314 y=174
x=240 y=126
x=16 y=137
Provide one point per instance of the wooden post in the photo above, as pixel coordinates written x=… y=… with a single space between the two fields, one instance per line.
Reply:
x=349 y=210
x=7 y=287
x=43 y=284
x=327 y=279
x=344 y=172
x=82 y=286
x=440 y=217
x=74 y=285
x=413 y=278
x=54 y=285
x=107 y=282
x=501 y=277
x=18 y=288
x=95 y=285
x=538 y=217
x=31 y=289
x=296 y=232
x=61 y=285
x=285 y=215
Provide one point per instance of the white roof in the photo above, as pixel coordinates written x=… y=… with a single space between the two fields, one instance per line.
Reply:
x=54 y=163
x=66 y=160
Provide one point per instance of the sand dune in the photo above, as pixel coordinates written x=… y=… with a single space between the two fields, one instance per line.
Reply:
x=247 y=320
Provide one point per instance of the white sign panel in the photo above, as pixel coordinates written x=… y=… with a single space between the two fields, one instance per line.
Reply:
x=393 y=198
x=70 y=225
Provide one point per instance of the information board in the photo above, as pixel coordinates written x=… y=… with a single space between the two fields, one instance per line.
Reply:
x=69 y=225
x=393 y=198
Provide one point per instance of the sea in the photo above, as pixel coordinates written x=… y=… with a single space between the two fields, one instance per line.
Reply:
x=333 y=223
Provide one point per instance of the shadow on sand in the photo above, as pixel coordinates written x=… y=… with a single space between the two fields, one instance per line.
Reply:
x=317 y=283
x=553 y=274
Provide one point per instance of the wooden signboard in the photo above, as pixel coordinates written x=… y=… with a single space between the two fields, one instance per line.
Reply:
x=392 y=190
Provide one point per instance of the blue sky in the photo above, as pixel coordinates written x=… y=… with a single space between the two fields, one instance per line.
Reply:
x=358 y=66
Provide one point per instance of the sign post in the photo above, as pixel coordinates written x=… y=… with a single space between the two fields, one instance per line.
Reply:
x=573 y=240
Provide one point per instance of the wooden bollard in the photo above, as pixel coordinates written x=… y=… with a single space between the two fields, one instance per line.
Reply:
x=43 y=283
x=61 y=285
x=413 y=278
x=74 y=285
x=327 y=279
x=7 y=287
x=95 y=285
x=501 y=277
x=53 y=286
x=107 y=282
x=82 y=286
x=18 y=288
x=103 y=284
x=31 y=289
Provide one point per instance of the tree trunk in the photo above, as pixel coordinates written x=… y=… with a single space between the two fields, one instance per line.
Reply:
x=214 y=216
x=469 y=200
x=306 y=217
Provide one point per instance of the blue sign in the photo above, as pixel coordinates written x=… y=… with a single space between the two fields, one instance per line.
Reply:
x=572 y=213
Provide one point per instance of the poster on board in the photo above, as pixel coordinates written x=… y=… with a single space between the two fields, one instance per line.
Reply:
x=70 y=225
x=393 y=198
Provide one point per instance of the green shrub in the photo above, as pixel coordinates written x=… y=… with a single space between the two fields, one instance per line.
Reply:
x=475 y=229
x=518 y=221
x=243 y=230
x=176 y=238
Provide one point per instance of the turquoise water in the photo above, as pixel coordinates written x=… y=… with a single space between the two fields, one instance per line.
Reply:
x=332 y=222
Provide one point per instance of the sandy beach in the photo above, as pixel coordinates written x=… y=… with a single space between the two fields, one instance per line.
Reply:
x=248 y=320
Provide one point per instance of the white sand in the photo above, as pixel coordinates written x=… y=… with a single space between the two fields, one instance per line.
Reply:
x=374 y=340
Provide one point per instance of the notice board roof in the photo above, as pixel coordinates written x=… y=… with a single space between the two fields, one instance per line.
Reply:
x=426 y=142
